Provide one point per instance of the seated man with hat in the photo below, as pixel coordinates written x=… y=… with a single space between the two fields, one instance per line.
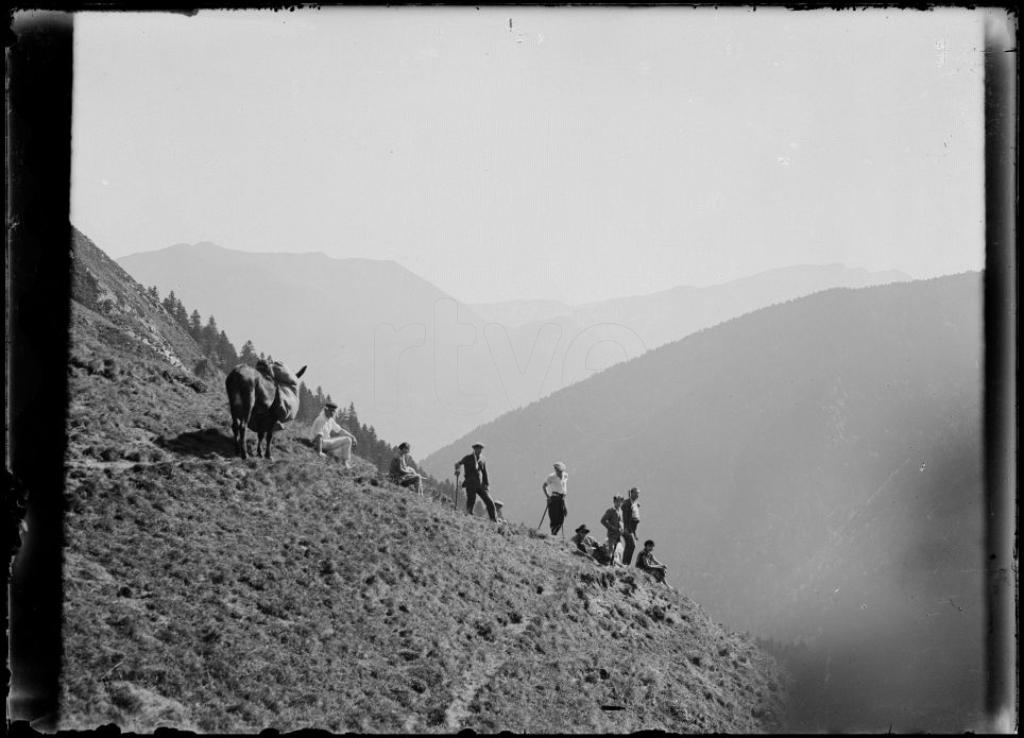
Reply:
x=330 y=439
x=402 y=472
x=585 y=544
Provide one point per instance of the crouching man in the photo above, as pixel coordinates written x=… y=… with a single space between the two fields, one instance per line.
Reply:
x=330 y=439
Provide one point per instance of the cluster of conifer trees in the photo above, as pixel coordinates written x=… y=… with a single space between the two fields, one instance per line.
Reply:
x=220 y=352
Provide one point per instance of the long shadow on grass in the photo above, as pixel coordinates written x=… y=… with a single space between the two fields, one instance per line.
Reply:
x=207 y=443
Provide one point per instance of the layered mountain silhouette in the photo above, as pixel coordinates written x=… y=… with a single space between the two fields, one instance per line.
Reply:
x=516 y=313
x=207 y=593
x=810 y=472
x=427 y=367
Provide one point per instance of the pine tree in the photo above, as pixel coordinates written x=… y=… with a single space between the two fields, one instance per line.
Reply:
x=154 y=293
x=226 y=351
x=308 y=409
x=195 y=326
x=170 y=303
x=209 y=337
x=248 y=355
x=181 y=315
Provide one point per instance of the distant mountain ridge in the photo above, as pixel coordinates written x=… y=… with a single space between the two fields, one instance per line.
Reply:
x=425 y=366
x=811 y=471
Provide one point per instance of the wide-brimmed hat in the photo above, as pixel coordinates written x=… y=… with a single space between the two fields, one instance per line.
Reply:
x=560 y=466
x=477 y=445
x=330 y=406
x=583 y=530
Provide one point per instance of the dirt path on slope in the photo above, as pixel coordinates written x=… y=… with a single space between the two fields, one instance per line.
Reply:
x=478 y=675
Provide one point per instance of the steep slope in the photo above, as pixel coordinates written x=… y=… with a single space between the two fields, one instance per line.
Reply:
x=208 y=593
x=426 y=367
x=115 y=304
x=811 y=471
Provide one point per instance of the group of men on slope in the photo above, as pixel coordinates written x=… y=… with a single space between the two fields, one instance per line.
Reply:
x=620 y=520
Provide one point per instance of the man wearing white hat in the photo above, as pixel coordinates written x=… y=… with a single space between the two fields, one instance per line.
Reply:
x=555 y=488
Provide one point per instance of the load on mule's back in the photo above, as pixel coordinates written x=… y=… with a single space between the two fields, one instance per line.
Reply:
x=263 y=399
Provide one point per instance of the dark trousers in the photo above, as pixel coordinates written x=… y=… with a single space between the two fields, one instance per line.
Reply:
x=658 y=573
x=629 y=545
x=614 y=536
x=471 y=495
x=557 y=512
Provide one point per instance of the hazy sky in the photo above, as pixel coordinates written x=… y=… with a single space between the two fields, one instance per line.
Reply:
x=564 y=153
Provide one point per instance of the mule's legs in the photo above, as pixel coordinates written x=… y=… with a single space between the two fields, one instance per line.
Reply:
x=259 y=443
x=238 y=430
x=270 y=436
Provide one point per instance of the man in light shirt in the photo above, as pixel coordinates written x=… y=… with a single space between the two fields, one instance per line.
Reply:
x=555 y=488
x=330 y=439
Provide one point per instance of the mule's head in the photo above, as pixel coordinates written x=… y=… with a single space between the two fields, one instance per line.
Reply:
x=286 y=399
x=283 y=377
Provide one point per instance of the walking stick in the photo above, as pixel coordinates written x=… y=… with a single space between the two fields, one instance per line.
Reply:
x=456 y=495
x=542 y=516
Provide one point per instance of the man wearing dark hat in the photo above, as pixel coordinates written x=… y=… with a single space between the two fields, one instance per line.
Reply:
x=584 y=542
x=402 y=472
x=331 y=439
x=476 y=481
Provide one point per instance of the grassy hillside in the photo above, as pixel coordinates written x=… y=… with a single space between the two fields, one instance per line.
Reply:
x=812 y=473
x=213 y=594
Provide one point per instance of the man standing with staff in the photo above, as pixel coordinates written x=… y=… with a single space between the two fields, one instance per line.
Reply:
x=476 y=481
x=555 y=488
